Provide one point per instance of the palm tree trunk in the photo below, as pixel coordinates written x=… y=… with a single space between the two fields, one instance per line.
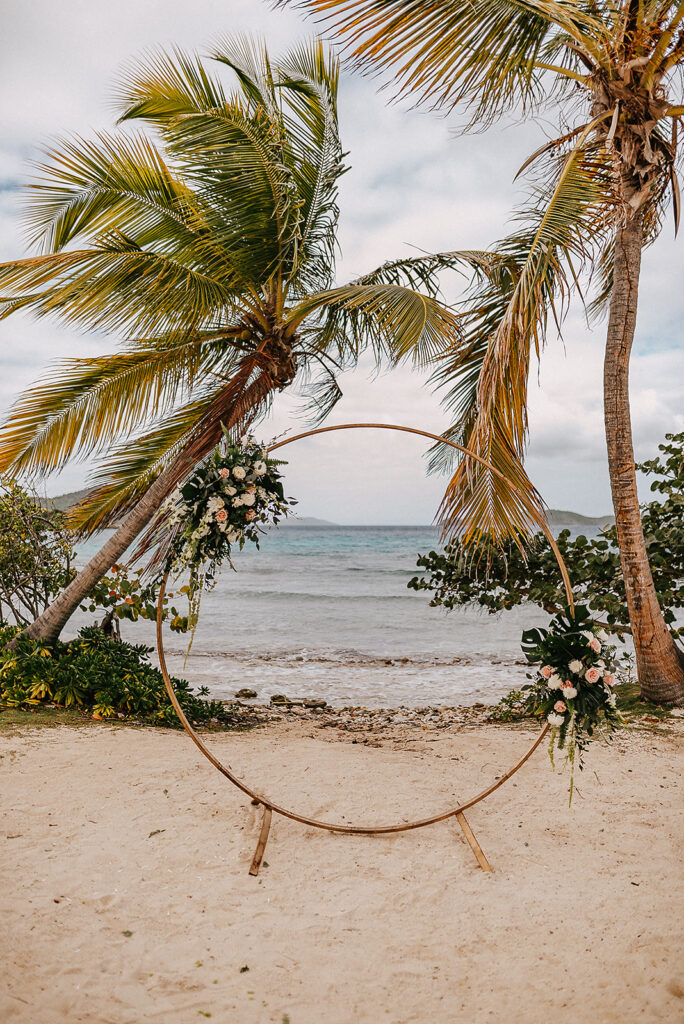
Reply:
x=49 y=625
x=660 y=666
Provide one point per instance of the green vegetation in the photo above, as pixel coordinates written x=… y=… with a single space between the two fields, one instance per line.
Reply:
x=127 y=594
x=36 y=554
x=37 y=561
x=506 y=577
x=94 y=674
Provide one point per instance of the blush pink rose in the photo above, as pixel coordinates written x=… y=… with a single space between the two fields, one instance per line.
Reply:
x=221 y=516
x=592 y=675
x=609 y=679
x=250 y=514
x=595 y=645
x=560 y=706
x=224 y=472
x=546 y=671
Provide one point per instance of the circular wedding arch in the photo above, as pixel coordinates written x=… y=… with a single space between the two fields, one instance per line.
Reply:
x=270 y=806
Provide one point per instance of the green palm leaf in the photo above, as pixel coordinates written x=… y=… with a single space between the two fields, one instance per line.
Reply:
x=86 y=404
x=399 y=321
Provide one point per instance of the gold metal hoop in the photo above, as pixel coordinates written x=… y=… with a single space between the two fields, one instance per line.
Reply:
x=368 y=830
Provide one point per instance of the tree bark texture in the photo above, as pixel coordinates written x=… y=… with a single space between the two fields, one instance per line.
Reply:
x=660 y=666
x=49 y=625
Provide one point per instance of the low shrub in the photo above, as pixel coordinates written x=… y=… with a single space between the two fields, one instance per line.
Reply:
x=93 y=673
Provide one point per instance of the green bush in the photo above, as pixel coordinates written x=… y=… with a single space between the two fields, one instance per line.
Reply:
x=504 y=577
x=97 y=675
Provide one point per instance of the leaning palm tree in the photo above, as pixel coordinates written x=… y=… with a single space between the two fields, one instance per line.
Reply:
x=611 y=72
x=207 y=241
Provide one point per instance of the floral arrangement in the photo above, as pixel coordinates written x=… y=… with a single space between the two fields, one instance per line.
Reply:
x=230 y=499
x=573 y=687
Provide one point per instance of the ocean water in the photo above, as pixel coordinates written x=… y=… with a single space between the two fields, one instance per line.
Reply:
x=326 y=612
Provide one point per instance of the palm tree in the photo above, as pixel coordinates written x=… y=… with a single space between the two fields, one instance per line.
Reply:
x=612 y=71
x=208 y=242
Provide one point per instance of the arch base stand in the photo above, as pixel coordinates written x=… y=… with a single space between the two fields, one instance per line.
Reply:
x=473 y=843
x=460 y=818
x=261 y=845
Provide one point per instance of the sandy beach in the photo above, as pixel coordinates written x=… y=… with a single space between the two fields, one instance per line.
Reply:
x=126 y=896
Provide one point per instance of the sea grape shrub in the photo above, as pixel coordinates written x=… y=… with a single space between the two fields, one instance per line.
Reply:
x=500 y=578
x=125 y=594
x=36 y=554
x=37 y=561
x=102 y=677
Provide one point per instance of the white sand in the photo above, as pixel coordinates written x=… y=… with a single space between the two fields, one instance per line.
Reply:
x=581 y=920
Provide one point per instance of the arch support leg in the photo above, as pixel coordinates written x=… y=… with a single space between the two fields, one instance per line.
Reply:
x=261 y=845
x=472 y=842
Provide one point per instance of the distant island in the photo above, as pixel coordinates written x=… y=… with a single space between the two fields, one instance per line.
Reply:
x=557 y=517
x=307 y=521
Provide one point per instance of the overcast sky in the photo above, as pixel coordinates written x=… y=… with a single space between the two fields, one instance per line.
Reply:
x=414 y=183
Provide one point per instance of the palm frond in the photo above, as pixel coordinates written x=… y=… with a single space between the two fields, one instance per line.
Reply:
x=165 y=86
x=182 y=441
x=397 y=322
x=109 y=183
x=307 y=83
x=319 y=387
x=481 y=52
x=84 y=405
x=117 y=287
x=505 y=320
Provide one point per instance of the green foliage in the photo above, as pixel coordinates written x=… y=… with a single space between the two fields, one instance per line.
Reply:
x=36 y=553
x=503 y=578
x=127 y=594
x=92 y=673
x=573 y=687
x=36 y=563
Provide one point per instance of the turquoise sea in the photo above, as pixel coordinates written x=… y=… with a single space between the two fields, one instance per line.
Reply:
x=325 y=611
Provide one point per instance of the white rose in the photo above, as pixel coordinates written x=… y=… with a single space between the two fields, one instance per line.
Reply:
x=554 y=682
x=576 y=666
x=249 y=498
x=569 y=692
x=259 y=468
x=239 y=472
x=230 y=490
x=554 y=719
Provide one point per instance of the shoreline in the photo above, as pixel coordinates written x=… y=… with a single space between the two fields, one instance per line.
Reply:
x=248 y=713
